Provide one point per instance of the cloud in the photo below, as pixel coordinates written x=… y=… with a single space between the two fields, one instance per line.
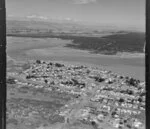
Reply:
x=84 y=1
x=10 y=15
x=38 y=17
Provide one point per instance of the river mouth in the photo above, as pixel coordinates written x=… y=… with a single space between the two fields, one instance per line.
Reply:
x=24 y=49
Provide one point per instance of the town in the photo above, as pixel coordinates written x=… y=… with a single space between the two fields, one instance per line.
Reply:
x=76 y=93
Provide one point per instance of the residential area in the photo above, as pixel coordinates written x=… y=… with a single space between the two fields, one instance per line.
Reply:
x=65 y=93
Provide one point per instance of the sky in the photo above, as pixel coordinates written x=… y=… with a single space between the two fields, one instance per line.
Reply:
x=114 y=12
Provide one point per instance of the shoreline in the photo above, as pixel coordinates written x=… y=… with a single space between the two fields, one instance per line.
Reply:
x=130 y=55
x=70 y=39
x=113 y=69
x=53 y=50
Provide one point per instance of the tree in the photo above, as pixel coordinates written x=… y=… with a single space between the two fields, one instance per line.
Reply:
x=45 y=81
x=11 y=81
x=130 y=92
x=38 y=61
x=140 y=99
x=121 y=100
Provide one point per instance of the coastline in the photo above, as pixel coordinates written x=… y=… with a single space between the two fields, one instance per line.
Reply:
x=130 y=55
x=24 y=49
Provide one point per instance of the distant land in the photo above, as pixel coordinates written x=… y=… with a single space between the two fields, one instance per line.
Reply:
x=103 y=40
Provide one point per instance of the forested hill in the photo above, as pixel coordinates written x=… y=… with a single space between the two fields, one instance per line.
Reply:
x=129 y=42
